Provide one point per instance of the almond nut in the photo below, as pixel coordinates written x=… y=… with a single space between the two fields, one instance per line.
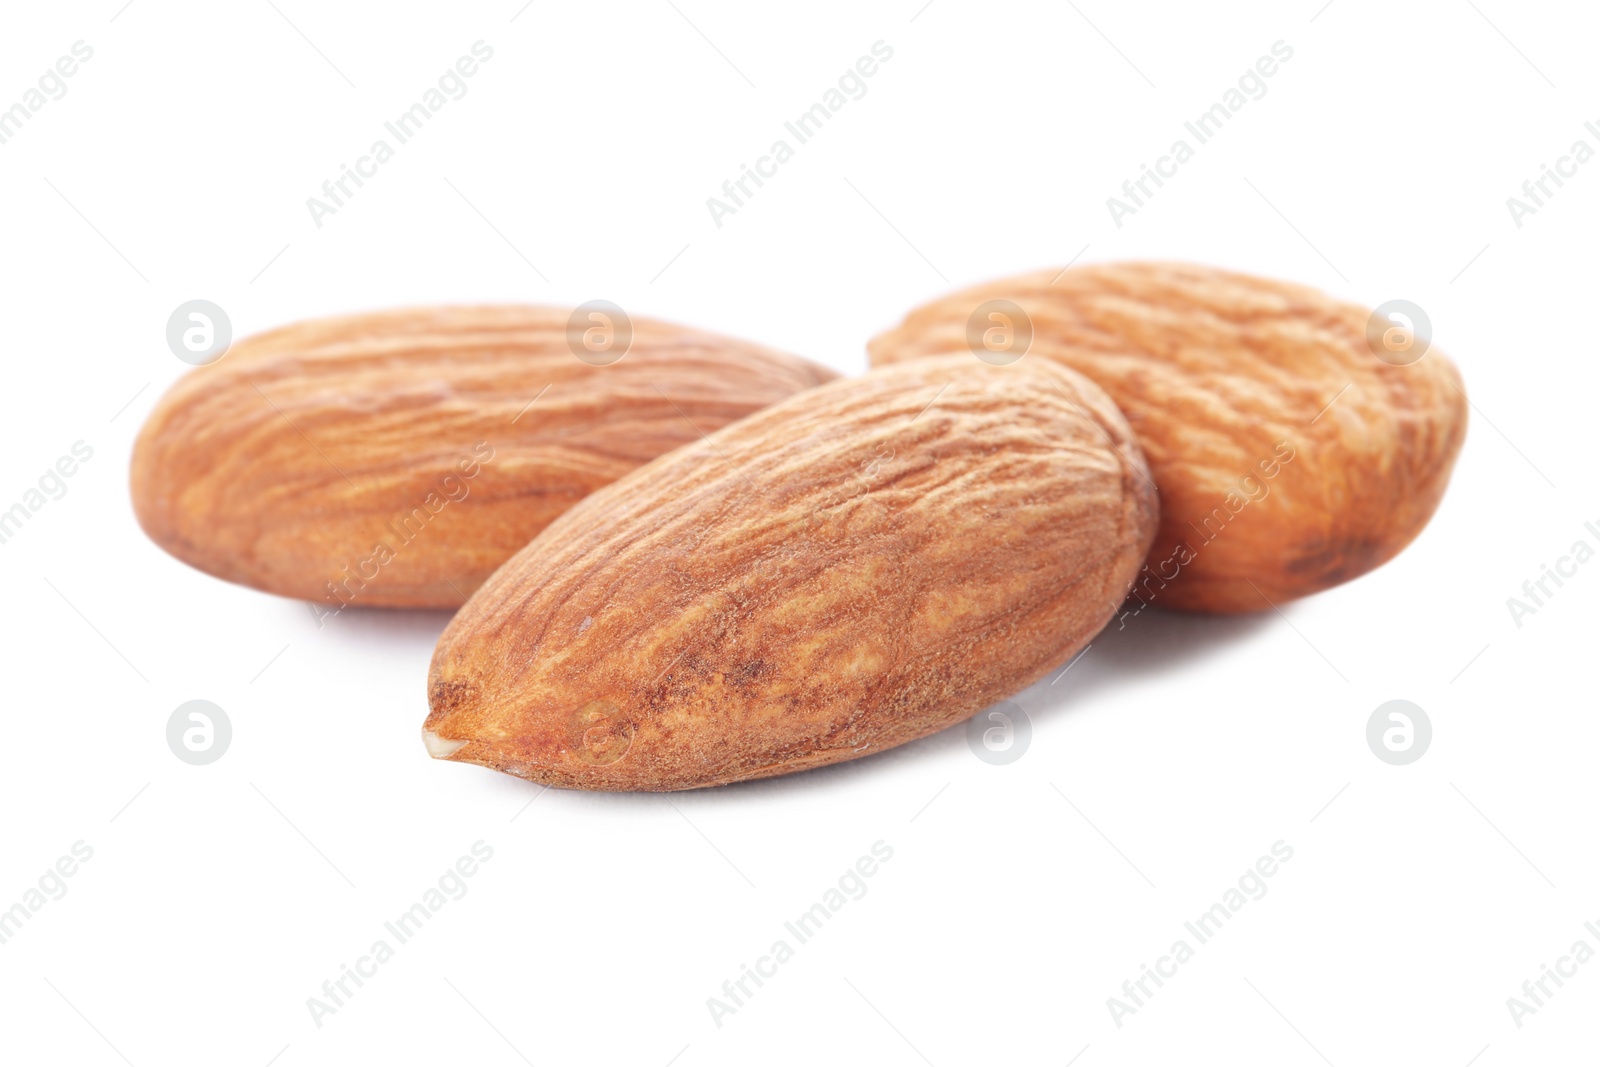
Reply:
x=853 y=568
x=1292 y=450
x=396 y=459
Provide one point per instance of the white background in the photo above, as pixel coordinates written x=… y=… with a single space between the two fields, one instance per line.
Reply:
x=1019 y=898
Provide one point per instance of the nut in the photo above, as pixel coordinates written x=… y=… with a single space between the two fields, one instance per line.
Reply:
x=396 y=459
x=1291 y=453
x=853 y=568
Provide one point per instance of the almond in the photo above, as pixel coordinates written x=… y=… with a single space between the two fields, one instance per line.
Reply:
x=1296 y=442
x=396 y=459
x=855 y=567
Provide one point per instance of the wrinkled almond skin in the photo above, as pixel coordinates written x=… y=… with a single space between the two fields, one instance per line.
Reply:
x=848 y=570
x=1289 y=457
x=396 y=459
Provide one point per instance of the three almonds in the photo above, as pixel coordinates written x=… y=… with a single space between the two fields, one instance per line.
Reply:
x=708 y=562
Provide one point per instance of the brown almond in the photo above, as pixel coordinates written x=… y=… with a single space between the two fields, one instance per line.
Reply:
x=396 y=459
x=1298 y=441
x=853 y=568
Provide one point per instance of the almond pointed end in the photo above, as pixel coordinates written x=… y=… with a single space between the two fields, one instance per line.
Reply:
x=440 y=747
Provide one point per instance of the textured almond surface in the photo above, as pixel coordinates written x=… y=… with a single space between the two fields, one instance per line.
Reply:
x=1289 y=457
x=853 y=568
x=396 y=459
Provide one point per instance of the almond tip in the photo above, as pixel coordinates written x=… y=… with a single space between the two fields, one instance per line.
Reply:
x=440 y=747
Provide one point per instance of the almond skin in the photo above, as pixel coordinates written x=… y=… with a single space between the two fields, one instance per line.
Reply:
x=1290 y=458
x=853 y=568
x=396 y=459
